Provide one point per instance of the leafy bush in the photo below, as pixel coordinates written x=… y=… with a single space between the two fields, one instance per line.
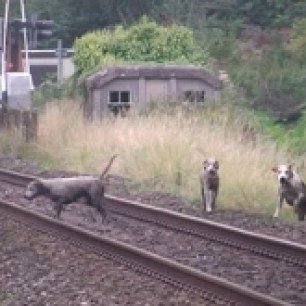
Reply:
x=298 y=42
x=51 y=90
x=291 y=137
x=269 y=13
x=272 y=79
x=145 y=41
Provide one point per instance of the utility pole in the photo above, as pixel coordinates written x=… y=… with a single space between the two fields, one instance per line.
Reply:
x=3 y=56
x=25 y=41
x=59 y=53
x=16 y=80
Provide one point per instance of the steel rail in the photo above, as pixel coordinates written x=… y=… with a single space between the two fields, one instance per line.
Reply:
x=210 y=287
x=261 y=244
x=15 y=178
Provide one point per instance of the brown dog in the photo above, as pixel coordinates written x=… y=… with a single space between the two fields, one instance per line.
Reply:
x=63 y=191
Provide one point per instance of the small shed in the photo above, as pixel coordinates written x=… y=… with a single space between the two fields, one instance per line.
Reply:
x=120 y=88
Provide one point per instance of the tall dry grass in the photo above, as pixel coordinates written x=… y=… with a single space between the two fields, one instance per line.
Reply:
x=165 y=152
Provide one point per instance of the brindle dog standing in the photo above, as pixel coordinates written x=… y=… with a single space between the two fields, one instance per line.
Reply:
x=63 y=191
x=209 y=184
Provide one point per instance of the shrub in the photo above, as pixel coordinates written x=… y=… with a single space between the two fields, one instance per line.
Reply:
x=145 y=41
x=298 y=42
x=51 y=90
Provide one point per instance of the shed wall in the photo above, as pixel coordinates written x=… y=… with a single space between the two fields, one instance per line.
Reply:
x=190 y=84
x=143 y=91
x=157 y=90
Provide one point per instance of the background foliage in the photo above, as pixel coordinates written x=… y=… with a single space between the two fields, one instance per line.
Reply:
x=259 y=43
x=73 y=18
x=145 y=41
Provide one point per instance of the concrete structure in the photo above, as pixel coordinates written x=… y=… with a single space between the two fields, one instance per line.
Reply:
x=19 y=89
x=118 y=88
x=45 y=64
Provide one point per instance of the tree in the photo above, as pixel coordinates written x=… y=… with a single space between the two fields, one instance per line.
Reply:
x=268 y=13
x=73 y=18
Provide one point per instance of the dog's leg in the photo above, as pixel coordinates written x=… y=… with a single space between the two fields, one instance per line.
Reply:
x=299 y=212
x=203 y=199
x=102 y=212
x=279 y=203
x=58 y=209
x=301 y=216
x=208 y=200
x=213 y=200
x=298 y=209
x=98 y=204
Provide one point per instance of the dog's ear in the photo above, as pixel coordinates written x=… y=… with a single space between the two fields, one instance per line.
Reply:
x=290 y=167
x=205 y=162
x=217 y=164
x=275 y=169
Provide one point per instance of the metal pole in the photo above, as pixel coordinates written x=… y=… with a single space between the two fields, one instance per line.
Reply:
x=25 y=42
x=60 y=60
x=3 y=58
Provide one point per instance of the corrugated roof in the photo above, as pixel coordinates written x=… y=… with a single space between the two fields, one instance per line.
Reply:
x=107 y=74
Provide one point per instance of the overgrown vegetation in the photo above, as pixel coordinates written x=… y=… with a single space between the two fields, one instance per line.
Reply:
x=298 y=41
x=145 y=41
x=73 y=18
x=51 y=90
x=266 y=65
x=271 y=72
x=290 y=136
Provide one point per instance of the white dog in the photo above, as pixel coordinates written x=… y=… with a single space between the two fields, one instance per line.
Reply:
x=292 y=189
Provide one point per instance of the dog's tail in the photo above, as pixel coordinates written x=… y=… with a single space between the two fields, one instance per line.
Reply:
x=106 y=169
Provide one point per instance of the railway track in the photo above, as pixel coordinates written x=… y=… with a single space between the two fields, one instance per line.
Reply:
x=263 y=245
x=212 y=288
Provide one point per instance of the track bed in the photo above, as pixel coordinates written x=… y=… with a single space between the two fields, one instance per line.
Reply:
x=42 y=270
x=269 y=276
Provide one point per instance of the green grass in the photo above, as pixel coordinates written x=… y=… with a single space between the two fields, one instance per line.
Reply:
x=291 y=136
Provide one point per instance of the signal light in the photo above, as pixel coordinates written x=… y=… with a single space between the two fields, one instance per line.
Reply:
x=40 y=28
x=43 y=24
x=18 y=24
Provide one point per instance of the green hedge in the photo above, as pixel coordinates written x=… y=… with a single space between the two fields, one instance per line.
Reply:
x=145 y=41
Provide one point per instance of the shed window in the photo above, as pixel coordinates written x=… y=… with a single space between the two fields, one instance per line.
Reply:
x=119 y=97
x=119 y=102
x=194 y=96
x=125 y=96
x=114 y=97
